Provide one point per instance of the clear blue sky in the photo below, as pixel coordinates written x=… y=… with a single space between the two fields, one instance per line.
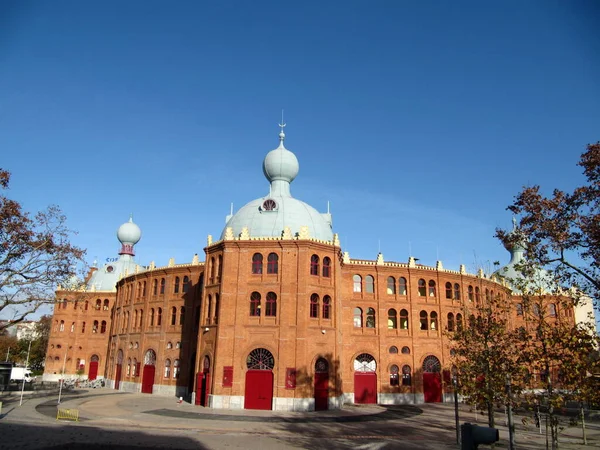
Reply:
x=418 y=121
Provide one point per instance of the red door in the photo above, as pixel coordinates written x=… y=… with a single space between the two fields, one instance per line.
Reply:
x=118 y=376
x=93 y=373
x=259 y=389
x=148 y=379
x=199 y=377
x=321 y=391
x=365 y=387
x=432 y=387
x=204 y=388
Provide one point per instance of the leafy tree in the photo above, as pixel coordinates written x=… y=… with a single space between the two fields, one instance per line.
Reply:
x=483 y=353
x=562 y=231
x=8 y=347
x=35 y=256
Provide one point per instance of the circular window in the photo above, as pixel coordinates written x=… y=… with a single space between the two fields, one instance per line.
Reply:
x=109 y=269
x=269 y=205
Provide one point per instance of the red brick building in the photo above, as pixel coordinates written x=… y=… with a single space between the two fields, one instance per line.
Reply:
x=277 y=317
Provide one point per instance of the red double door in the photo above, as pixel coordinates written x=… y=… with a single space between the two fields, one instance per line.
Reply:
x=259 y=390
x=321 y=391
x=202 y=388
x=432 y=387
x=93 y=373
x=148 y=379
x=365 y=387
x=118 y=376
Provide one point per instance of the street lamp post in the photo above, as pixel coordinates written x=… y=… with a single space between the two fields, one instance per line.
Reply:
x=24 y=373
x=456 y=418
x=511 y=425
x=62 y=379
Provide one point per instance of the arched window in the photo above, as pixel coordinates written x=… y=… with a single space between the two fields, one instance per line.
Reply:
x=357 y=280
x=209 y=309
x=449 y=290
x=477 y=295
x=456 y=291
x=260 y=359
x=144 y=289
x=72 y=327
x=392 y=319
x=423 y=322
x=181 y=315
x=421 y=288
x=405 y=350
x=255 y=304
x=174 y=315
x=450 y=322
x=402 y=286
x=86 y=305
x=391 y=286
x=141 y=317
x=220 y=261
x=98 y=304
x=314 y=305
x=103 y=327
x=431 y=365
x=134 y=368
x=393 y=350
x=257 y=263
x=272 y=263
x=158 y=317
x=487 y=295
x=105 y=307
x=162 y=285
x=459 y=322
x=176 y=368
x=271 y=306
x=128 y=370
x=326 y=307
x=327 y=267
x=406 y=377
x=154 y=287
x=152 y=317
x=176 y=287
x=431 y=288
x=167 y=368
x=314 y=265
x=216 y=318
x=404 y=319
x=94 y=327
x=62 y=326
x=369 y=284
x=394 y=378
x=370 y=318
x=212 y=268
x=536 y=309
x=83 y=327
x=358 y=318
x=519 y=309
x=186 y=283
x=433 y=321
x=470 y=293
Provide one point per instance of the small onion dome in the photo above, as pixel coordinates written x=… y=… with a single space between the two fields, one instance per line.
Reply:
x=129 y=233
x=280 y=164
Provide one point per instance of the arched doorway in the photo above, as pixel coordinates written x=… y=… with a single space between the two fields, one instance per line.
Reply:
x=259 y=380
x=321 y=385
x=93 y=373
x=365 y=379
x=203 y=383
x=432 y=380
x=118 y=369
x=148 y=372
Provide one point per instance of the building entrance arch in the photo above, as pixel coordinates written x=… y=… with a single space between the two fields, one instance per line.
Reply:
x=148 y=372
x=203 y=383
x=118 y=369
x=432 y=380
x=93 y=372
x=259 y=380
x=365 y=379
x=321 y=384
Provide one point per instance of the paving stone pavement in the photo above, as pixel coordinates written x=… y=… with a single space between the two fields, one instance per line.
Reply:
x=115 y=420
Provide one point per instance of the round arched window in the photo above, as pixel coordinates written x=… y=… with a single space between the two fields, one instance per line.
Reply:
x=365 y=363
x=431 y=364
x=321 y=366
x=269 y=205
x=260 y=359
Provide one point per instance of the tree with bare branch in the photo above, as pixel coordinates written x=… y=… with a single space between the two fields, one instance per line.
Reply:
x=35 y=257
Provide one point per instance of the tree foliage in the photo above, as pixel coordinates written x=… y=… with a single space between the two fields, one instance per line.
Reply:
x=35 y=256
x=562 y=231
x=483 y=353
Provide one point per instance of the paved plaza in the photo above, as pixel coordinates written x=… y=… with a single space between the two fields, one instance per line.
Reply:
x=114 y=420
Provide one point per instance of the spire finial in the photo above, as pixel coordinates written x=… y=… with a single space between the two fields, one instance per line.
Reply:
x=131 y=217
x=282 y=126
x=514 y=222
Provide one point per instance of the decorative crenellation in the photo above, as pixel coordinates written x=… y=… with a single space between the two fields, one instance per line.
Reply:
x=463 y=269
x=209 y=239
x=245 y=234
x=379 y=260
x=346 y=258
x=287 y=233
x=439 y=266
x=304 y=232
x=336 y=240
x=228 y=234
x=195 y=260
x=172 y=262
x=412 y=262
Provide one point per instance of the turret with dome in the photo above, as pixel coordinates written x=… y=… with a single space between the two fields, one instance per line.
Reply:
x=268 y=216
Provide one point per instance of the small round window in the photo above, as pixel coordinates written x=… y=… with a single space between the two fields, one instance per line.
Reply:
x=269 y=205
x=109 y=269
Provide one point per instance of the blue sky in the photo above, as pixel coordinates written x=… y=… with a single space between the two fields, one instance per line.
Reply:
x=418 y=121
